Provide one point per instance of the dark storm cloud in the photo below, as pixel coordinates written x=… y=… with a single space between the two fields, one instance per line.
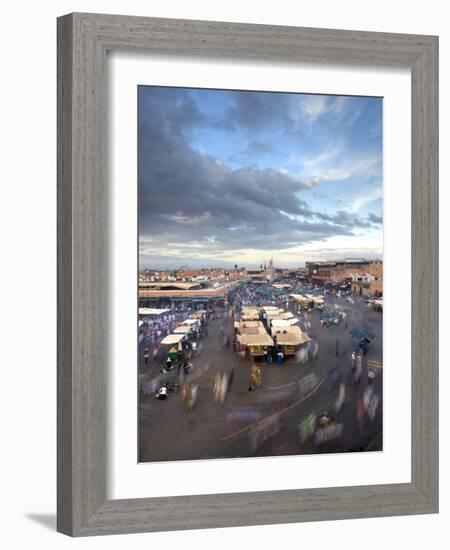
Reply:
x=342 y=218
x=259 y=148
x=254 y=149
x=375 y=219
x=171 y=108
x=188 y=197
x=256 y=112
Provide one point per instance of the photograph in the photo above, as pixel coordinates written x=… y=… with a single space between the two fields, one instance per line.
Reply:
x=221 y=199
x=260 y=273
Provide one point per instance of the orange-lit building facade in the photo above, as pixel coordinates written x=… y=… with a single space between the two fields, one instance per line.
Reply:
x=364 y=275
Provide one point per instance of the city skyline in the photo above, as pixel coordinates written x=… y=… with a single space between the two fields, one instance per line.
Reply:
x=230 y=177
x=264 y=265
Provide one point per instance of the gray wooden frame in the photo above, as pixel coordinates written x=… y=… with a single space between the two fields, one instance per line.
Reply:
x=83 y=40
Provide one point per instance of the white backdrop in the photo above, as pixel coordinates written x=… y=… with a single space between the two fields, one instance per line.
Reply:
x=28 y=305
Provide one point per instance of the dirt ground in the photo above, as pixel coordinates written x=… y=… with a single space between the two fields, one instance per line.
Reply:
x=263 y=422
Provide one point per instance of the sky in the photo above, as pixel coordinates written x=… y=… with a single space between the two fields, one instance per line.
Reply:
x=231 y=178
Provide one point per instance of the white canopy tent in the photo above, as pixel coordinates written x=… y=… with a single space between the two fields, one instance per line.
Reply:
x=172 y=339
x=247 y=324
x=152 y=311
x=190 y=322
x=270 y=309
x=284 y=322
x=250 y=317
x=252 y=330
x=260 y=339
x=287 y=315
x=284 y=315
x=182 y=329
x=198 y=314
x=290 y=336
x=299 y=298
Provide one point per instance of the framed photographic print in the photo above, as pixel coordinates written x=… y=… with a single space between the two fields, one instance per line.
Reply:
x=246 y=333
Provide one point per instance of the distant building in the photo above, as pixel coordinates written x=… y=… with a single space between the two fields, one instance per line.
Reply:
x=376 y=269
x=265 y=274
x=257 y=275
x=196 y=296
x=368 y=285
x=335 y=271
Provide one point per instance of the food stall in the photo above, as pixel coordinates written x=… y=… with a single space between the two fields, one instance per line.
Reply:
x=190 y=322
x=200 y=314
x=251 y=330
x=284 y=322
x=182 y=329
x=250 y=314
x=303 y=301
x=152 y=312
x=377 y=305
x=173 y=340
x=290 y=337
x=318 y=302
x=280 y=316
x=247 y=324
x=256 y=344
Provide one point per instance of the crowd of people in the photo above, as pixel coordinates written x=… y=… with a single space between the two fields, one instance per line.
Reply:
x=154 y=328
x=318 y=428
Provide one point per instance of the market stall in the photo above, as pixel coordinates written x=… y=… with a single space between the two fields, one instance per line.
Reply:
x=284 y=322
x=318 y=302
x=174 y=341
x=290 y=337
x=190 y=322
x=152 y=312
x=200 y=314
x=250 y=314
x=280 y=316
x=377 y=305
x=244 y=324
x=251 y=330
x=182 y=329
x=303 y=301
x=255 y=344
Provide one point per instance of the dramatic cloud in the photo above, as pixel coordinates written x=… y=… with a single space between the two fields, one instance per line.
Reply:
x=373 y=218
x=254 y=149
x=195 y=205
x=261 y=112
